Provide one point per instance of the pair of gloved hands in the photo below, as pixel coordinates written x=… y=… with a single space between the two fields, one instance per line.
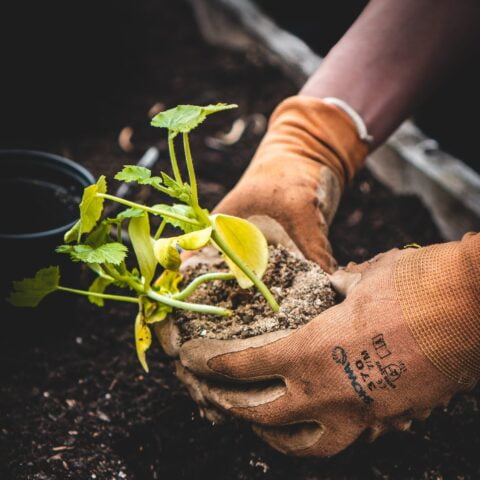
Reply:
x=404 y=340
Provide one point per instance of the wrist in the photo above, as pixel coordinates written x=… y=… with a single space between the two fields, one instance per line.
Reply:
x=315 y=131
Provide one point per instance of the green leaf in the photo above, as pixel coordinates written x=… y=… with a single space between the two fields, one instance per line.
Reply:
x=247 y=241
x=29 y=292
x=179 y=209
x=165 y=183
x=91 y=208
x=98 y=286
x=143 y=339
x=182 y=191
x=218 y=107
x=113 y=253
x=65 y=249
x=99 y=236
x=139 y=232
x=73 y=234
x=166 y=253
x=130 y=213
x=99 y=271
x=134 y=173
x=169 y=182
x=184 y=118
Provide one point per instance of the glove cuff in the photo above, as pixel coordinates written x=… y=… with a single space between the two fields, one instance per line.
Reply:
x=318 y=130
x=438 y=288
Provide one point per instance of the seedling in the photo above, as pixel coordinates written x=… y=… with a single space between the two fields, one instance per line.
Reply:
x=90 y=241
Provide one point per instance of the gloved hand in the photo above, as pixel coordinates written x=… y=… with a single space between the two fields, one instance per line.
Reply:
x=405 y=339
x=295 y=180
x=293 y=184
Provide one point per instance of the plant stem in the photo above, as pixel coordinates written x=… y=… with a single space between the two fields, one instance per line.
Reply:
x=209 y=309
x=207 y=277
x=106 y=296
x=119 y=232
x=246 y=270
x=154 y=211
x=173 y=159
x=191 y=171
x=161 y=188
x=201 y=215
x=113 y=272
x=159 y=231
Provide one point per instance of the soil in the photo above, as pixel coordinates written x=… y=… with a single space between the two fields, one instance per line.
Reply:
x=74 y=402
x=301 y=288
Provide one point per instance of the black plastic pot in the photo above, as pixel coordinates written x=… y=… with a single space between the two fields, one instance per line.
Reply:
x=39 y=196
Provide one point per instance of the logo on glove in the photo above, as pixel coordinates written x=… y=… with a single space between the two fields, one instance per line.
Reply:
x=340 y=356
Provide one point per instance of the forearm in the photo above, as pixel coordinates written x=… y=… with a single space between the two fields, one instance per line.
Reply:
x=393 y=55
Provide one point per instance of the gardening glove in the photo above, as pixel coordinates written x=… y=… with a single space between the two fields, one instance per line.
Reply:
x=405 y=339
x=293 y=185
x=294 y=181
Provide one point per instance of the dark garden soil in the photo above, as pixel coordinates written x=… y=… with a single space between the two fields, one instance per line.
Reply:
x=301 y=288
x=75 y=403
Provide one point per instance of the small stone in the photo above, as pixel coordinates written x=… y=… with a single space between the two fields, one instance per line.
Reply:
x=103 y=416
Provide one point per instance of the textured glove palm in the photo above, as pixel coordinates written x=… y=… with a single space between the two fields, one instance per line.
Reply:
x=372 y=363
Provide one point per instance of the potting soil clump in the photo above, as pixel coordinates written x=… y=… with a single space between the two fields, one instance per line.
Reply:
x=301 y=288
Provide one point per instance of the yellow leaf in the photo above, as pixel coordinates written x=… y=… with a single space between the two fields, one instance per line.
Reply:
x=160 y=315
x=154 y=312
x=246 y=241
x=195 y=240
x=143 y=340
x=139 y=233
x=166 y=253
x=168 y=281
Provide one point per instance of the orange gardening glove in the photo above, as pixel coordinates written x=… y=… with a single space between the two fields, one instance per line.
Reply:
x=295 y=180
x=405 y=339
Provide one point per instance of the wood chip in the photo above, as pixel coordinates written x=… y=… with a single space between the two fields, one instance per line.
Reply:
x=229 y=138
x=125 y=139
x=103 y=416
x=156 y=108
x=112 y=385
x=57 y=456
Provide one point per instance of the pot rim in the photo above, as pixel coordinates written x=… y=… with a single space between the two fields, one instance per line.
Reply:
x=78 y=173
